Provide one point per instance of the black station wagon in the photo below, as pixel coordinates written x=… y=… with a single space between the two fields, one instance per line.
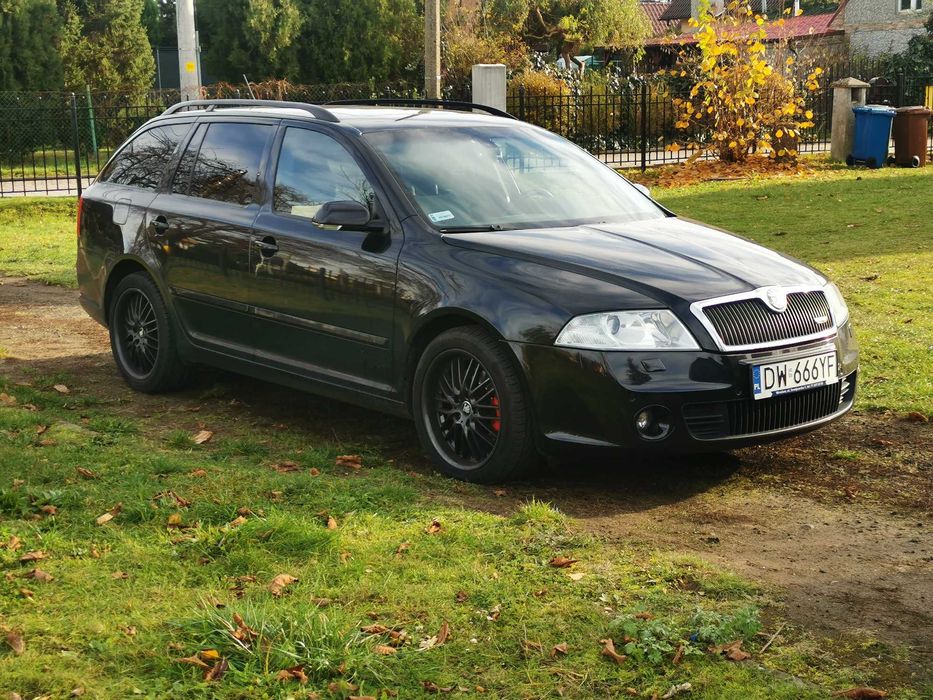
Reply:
x=505 y=289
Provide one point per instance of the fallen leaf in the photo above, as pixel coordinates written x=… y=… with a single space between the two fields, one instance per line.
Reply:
x=530 y=646
x=15 y=641
x=609 y=649
x=540 y=594
x=62 y=389
x=7 y=400
x=314 y=471
x=644 y=615
x=128 y=630
x=443 y=634
x=500 y=492
x=217 y=671
x=77 y=692
x=374 y=629
x=202 y=436
x=559 y=649
x=883 y=443
x=119 y=575
x=191 y=660
x=86 y=473
x=494 y=614
x=109 y=515
x=331 y=522
x=562 y=562
x=917 y=417
x=209 y=655
x=26 y=593
x=174 y=520
x=863 y=693
x=33 y=556
x=576 y=576
x=385 y=650
x=12 y=544
x=49 y=510
x=462 y=596
x=198 y=473
x=236 y=522
x=40 y=575
x=40 y=429
x=434 y=527
x=402 y=548
x=296 y=673
x=678 y=655
x=732 y=651
x=676 y=690
x=350 y=461
x=280 y=583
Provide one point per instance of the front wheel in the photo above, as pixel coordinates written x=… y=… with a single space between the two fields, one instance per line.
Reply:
x=470 y=408
x=142 y=337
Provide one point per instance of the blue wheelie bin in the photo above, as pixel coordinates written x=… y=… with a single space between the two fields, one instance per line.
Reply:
x=872 y=135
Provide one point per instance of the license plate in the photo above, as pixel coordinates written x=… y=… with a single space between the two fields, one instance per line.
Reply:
x=776 y=378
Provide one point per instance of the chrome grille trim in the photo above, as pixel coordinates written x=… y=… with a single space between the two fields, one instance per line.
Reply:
x=735 y=318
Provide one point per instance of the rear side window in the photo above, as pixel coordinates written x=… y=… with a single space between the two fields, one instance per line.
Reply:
x=226 y=167
x=314 y=169
x=143 y=161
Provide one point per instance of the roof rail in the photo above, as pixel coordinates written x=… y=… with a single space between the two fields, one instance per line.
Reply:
x=402 y=102
x=210 y=105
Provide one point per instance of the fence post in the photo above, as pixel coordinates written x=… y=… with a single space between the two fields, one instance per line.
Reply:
x=521 y=102
x=644 y=125
x=77 y=139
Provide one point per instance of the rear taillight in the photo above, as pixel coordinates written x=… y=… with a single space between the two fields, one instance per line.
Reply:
x=80 y=209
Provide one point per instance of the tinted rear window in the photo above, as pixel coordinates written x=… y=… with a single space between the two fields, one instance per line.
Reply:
x=143 y=161
x=227 y=164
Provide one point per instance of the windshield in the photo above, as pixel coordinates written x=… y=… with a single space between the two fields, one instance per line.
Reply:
x=505 y=177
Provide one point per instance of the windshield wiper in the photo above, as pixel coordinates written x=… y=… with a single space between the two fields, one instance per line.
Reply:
x=473 y=229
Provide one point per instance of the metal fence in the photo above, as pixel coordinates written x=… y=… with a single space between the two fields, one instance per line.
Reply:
x=55 y=143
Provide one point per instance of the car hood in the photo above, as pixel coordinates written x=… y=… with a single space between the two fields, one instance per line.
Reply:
x=663 y=258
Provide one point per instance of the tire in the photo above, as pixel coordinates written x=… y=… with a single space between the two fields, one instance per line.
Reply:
x=142 y=337
x=493 y=440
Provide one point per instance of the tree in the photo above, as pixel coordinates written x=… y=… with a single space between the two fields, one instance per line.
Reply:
x=105 y=46
x=565 y=26
x=29 y=34
x=159 y=20
x=917 y=58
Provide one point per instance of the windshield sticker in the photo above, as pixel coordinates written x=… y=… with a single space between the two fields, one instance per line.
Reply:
x=439 y=216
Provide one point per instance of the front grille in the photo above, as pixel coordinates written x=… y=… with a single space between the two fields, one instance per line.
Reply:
x=751 y=322
x=724 y=419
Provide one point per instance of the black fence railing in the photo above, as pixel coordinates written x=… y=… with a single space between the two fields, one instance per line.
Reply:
x=55 y=143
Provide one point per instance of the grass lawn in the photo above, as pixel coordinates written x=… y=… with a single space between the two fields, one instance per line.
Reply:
x=52 y=163
x=37 y=238
x=155 y=559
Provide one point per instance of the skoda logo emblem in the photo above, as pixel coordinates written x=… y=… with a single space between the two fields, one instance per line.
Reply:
x=776 y=299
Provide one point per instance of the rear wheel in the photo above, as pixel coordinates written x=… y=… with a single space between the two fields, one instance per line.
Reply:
x=470 y=408
x=142 y=338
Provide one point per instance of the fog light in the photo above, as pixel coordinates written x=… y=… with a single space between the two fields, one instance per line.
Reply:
x=653 y=423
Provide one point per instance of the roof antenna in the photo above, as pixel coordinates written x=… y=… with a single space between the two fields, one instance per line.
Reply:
x=249 y=87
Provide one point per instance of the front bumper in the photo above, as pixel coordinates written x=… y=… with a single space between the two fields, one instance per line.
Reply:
x=590 y=398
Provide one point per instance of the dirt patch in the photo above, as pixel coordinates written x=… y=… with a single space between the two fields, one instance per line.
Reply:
x=836 y=523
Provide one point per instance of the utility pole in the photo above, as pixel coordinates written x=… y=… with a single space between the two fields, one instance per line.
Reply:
x=189 y=64
x=432 y=49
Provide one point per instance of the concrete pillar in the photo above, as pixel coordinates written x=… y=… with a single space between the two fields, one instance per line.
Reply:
x=847 y=93
x=189 y=67
x=432 y=49
x=489 y=85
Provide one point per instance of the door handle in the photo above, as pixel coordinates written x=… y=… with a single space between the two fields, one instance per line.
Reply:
x=267 y=246
x=160 y=224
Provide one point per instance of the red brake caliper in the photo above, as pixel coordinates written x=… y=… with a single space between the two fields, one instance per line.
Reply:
x=497 y=423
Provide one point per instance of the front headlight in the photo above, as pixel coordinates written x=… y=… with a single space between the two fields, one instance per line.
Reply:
x=654 y=329
x=837 y=305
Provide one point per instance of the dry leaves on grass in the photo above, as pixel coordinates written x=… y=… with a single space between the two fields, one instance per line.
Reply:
x=385 y=650
x=109 y=515
x=609 y=650
x=433 y=528
x=15 y=641
x=286 y=466
x=330 y=522
x=402 y=548
x=236 y=522
x=198 y=473
x=561 y=562
x=33 y=556
x=202 y=436
x=349 y=461
x=217 y=671
x=678 y=655
x=40 y=575
x=559 y=649
x=62 y=389
x=7 y=400
x=86 y=473
x=280 y=583
x=119 y=575
x=295 y=673
x=12 y=544
x=732 y=651
x=863 y=693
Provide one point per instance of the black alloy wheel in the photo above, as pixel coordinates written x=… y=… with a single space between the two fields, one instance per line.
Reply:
x=137 y=331
x=465 y=414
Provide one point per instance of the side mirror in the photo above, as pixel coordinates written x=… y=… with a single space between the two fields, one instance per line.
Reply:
x=342 y=213
x=641 y=188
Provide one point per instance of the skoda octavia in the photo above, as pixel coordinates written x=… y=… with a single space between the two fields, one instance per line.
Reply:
x=503 y=288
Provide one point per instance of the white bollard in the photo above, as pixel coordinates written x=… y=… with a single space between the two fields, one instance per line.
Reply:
x=489 y=85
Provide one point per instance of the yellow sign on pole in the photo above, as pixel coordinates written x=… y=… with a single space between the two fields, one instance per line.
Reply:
x=929 y=98
x=190 y=67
